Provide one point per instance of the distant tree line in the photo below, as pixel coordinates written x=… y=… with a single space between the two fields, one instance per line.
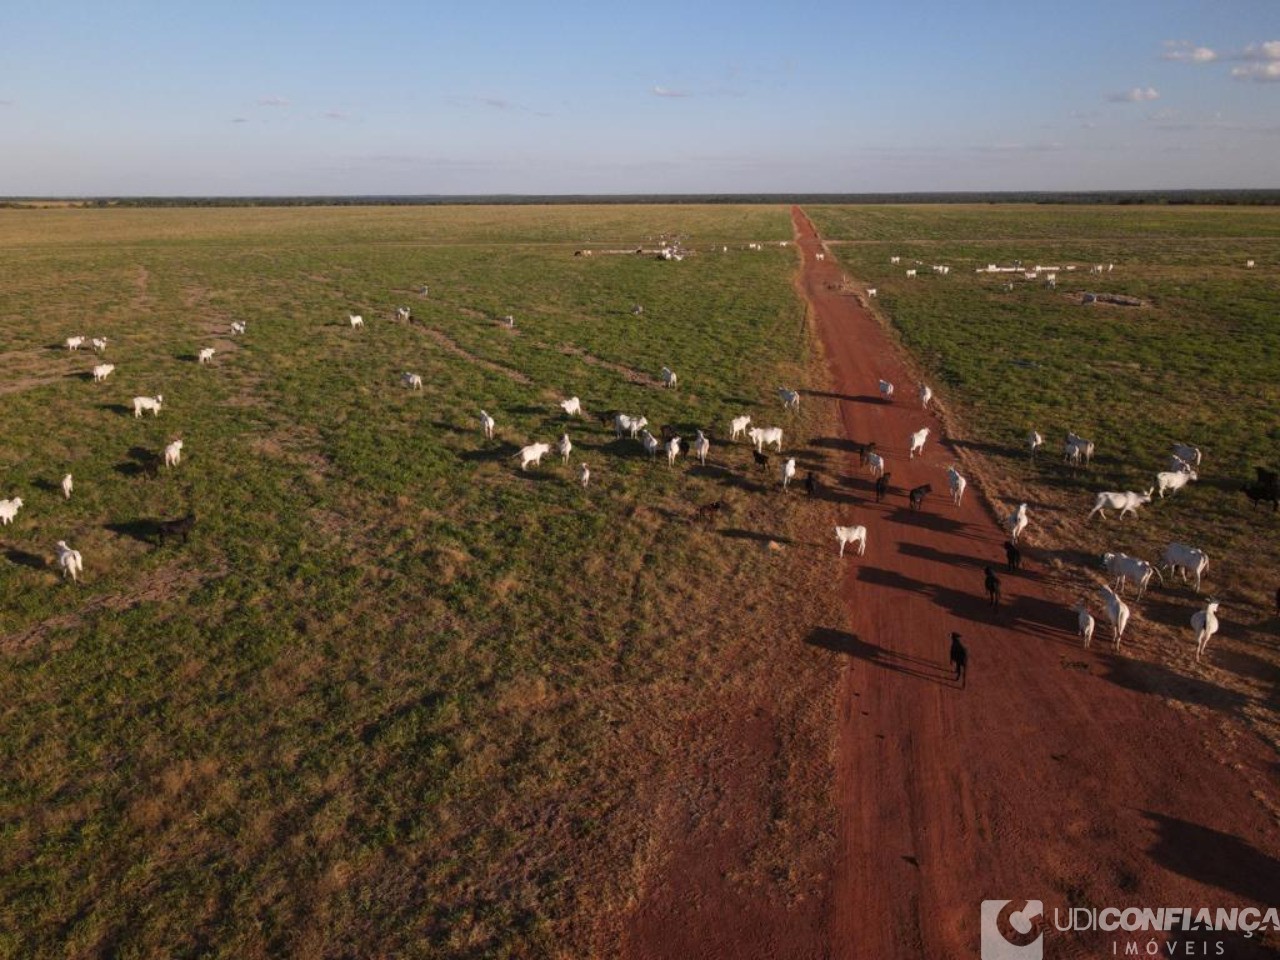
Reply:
x=1120 y=197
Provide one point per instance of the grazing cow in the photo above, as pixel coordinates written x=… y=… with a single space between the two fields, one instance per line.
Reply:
x=487 y=423
x=1012 y=556
x=1034 y=441
x=67 y=486
x=404 y=314
x=669 y=378
x=1205 y=624
x=738 y=426
x=876 y=464
x=882 y=486
x=1117 y=612
x=926 y=394
x=1174 y=480
x=1184 y=559
x=788 y=472
x=856 y=535
x=864 y=451
x=886 y=391
x=1124 y=567
x=790 y=399
x=70 y=561
x=673 y=451
x=180 y=527
x=761 y=459
x=993 y=587
x=701 y=447
x=709 y=511
x=959 y=659
x=355 y=320
x=917 y=495
x=533 y=453
x=761 y=436
x=1127 y=502
x=571 y=407
x=811 y=484
x=565 y=447
x=584 y=475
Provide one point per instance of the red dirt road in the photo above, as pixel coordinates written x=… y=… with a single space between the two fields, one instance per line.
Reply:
x=1056 y=774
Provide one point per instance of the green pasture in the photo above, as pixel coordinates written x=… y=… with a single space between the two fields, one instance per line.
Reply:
x=369 y=708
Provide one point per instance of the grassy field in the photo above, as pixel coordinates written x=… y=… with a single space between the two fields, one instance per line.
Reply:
x=1198 y=363
x=394 y=697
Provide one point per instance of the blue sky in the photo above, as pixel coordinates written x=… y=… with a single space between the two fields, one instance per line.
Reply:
x=146 y=98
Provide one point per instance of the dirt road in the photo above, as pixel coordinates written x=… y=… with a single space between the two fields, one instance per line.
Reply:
x=1054 y=775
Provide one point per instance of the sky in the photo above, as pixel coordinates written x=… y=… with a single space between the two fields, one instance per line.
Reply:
x=276 y=97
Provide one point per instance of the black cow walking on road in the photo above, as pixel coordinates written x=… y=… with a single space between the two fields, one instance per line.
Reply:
x=959 y=658
x=993 y=587
x=1013 y=556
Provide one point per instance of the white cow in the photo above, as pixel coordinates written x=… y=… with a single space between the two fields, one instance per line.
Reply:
x=99 y=344
x=1205 y=624
x=856 y=535
x=669 y=378
x=67 y=485
x=632 y=425
x=404 y=314
x=926 y=394
x=1117 y=612
x=487 y=424
x=895 y=259
x=75 y=343
x=1084 y=623
x=1034 y=441
x=1076 y=449
x=9 y=510
x=958 y=483
x=355 y=320
x=565 y=447
x=911 y=273
x=651 y=443
x=205 y=355
x=237 y=326
x=1174 y=480
x=411 y=380
x=701 y=446
x=572 y=407
x=875 y=463
x=70 y=561
x=673 y=451
x=917 y=440
x=584 y=475
x=764 y=435
x=1182 y=559
x=533 y=453
x=1017 y=522
x=871 y=293
x=1127 y=502
x=1124 y=567
x=147 y=403
x=788 y=472
x=102 y=371
x=173 y=454
x=886 y=390
x=790 y=398
x=738 y=426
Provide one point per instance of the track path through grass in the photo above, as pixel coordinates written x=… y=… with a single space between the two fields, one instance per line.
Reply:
x=1056 y=774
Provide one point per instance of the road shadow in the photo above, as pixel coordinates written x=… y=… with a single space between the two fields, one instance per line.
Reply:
x=1214 y=858
x=851 y=645
x=1158 y=680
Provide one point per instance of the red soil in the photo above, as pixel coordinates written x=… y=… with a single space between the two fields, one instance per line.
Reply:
x=1055 y=774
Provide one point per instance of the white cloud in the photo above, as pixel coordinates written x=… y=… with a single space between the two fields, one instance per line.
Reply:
x=1136 y=95
x=239 y=120
x=272 y=101
x=1270 y=50
x=1261 y=72
x=1184 y=51
x=668 y=92
x=336 y=115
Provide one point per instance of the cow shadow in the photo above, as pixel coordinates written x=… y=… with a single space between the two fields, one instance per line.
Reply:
x=142 y=530
x=187 y=358
x=735 y=533
x=926 y=518
x=23 y=558
x=502 y=451
x=85 y=375
x=1158 y=680
x=119 y=408
x=141 y=462
x=826 y=394
x=851 y=645
x=48 y=486
x=455 y=428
